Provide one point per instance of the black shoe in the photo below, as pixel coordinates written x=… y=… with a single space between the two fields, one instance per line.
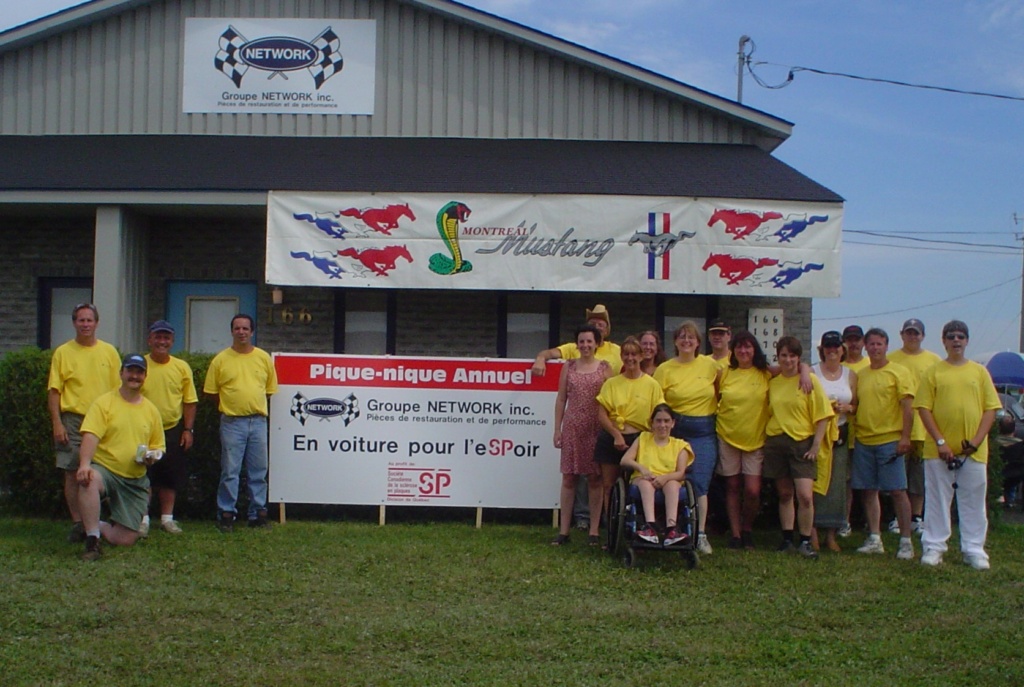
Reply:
x=92 y=549
x=786 y=547
x=807 y=551
x=77 y=533
x=748 y=540
x=735 y=543
x=226 y=522
x=260 y=520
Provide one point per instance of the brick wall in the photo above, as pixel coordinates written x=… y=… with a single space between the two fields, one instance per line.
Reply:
x=40 y=247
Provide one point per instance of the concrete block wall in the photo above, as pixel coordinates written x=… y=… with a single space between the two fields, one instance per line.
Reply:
x=797 y=313
x=40 y=247
x=447 y=323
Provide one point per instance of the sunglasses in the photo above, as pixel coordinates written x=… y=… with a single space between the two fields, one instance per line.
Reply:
x=956 y=337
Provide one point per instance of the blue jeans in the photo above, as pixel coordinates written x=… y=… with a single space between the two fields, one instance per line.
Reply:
x=699 y=431
x=243 y=440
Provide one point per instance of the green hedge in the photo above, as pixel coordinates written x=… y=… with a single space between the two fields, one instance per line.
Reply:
x=30 y=483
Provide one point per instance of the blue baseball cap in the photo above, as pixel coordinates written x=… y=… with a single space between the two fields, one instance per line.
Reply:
x=161 y=326
x=134 y=360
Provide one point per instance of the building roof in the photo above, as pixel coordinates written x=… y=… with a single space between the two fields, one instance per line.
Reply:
x=774 y=128
x=464 y=165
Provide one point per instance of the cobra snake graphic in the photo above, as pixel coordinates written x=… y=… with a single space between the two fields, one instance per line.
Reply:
x=448 y=219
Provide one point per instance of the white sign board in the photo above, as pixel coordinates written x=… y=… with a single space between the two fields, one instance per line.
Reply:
x=413 y=431
x=767 y=325
x=279 y=66
x=554 y=243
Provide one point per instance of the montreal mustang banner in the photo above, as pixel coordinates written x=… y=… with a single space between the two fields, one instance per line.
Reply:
x=554 y=243
x=413 y=431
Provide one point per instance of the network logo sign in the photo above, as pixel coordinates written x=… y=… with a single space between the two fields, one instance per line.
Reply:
x=324 y=408
x=279 y=55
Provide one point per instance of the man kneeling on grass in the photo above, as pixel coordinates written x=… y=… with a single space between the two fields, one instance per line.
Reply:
x=122 y=433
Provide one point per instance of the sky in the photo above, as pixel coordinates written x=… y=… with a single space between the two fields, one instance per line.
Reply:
x=926 y=165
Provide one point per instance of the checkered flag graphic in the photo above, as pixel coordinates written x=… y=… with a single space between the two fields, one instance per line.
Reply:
x=350 y=409
x=298 y=409
x=330 y=62
x=227 y=60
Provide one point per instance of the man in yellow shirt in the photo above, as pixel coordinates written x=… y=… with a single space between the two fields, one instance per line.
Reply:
x=917 y=360
x=80 y=371
x=719 y=336
x=885 y=416
x=607 y=351
x=242 y=378
x=122 y=433
x=957 y=403
x=169 y=385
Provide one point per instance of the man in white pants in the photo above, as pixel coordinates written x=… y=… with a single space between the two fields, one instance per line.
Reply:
x=957 y=403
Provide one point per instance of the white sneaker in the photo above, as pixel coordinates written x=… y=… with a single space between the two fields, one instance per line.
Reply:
x=917 y=527
x=931 y=557
x=845 y=531
x=144 y=529
x=170 y=526
x=906 y=550
x=703 y=545
x=873 y=544
x=894 y=526
x=977 y=562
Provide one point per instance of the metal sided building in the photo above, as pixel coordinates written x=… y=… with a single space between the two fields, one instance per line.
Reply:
x=382 y=176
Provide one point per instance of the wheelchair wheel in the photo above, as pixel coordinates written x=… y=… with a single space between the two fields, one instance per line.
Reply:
x=616 y=532
x=691 y=558
x=629 y=557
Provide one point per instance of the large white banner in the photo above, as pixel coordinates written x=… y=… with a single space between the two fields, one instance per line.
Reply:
x=413 y=431
x=554 y=243
x=279 y=66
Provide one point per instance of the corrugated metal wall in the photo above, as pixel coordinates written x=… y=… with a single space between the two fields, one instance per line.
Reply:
x=436 y=78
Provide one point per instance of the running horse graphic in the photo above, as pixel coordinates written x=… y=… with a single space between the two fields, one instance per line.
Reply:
x=382 y=220
x=380 y=261
x=735 y=269
x=740 y=224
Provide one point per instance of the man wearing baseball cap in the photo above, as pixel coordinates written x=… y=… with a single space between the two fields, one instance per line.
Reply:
x=853 y=339
x=719 y=336
x=169 y=385
x=917 y=360
x=122 y=433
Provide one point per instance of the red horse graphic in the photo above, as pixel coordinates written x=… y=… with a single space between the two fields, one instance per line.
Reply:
x=381 y=219
x=741 y=224
x=736 y=269
x=378 y=260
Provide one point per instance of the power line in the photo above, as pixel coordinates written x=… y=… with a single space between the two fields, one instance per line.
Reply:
x=919 y=307
x=913 y=238
x=931 y=248
x=892 y=82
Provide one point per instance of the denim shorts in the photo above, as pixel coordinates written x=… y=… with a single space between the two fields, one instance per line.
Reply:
x=877 y=468
x=699 y=431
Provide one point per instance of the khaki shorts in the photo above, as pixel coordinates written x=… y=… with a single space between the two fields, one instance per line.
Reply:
x=784 y=457
x=733 y=461
x=129 y=498
x=67 y=454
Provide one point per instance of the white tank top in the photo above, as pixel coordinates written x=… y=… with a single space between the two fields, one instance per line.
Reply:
x=838 y=390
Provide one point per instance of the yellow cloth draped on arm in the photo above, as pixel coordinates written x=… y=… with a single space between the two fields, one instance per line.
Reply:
x=630 y=400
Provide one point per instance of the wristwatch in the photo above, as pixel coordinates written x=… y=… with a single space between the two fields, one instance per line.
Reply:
x=191 y=430
x=940 y=442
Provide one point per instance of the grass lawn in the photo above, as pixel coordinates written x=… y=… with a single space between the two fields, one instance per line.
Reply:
x=351 y=603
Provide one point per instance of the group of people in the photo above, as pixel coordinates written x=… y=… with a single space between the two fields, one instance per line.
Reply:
x=122 y=428
x=906 y=423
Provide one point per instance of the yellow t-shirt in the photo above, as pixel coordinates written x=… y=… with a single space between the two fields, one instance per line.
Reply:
x=917 y=364
x=793 y=412
x=859 y=365
x=722 y=363
x=243 y=380
x=957 y=396
x=743 y=407
x=689 y=387
x=121 y=428
x=660 y=460
x=630 y=400
x=879 y=418
x=607 y=351
x=83 y=373
x=169 y=385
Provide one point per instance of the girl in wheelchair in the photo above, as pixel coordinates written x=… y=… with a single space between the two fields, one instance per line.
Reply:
x=659 y=462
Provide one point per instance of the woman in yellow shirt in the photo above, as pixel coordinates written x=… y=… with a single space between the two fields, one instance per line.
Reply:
x=659 y=462
x=653 y=353
x=690 y=383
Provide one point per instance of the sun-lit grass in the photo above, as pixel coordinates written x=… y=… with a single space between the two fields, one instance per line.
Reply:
x=342 y=603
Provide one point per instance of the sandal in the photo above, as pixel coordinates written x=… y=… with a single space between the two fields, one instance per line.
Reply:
x=560 y=540
x=594 y=540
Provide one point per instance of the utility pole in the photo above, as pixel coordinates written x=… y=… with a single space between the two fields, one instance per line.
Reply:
x=741 y=62
x=1020 y=237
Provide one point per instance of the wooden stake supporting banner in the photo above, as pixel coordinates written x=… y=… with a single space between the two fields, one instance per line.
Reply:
x=280 y=514
x=382 y=517
x=554 y=518
x=479 y=517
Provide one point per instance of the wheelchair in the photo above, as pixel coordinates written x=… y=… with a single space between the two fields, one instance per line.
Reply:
x=626 y=518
